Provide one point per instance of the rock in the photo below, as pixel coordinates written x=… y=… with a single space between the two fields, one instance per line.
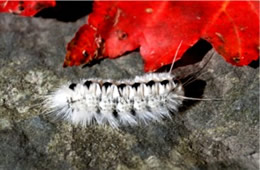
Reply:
x=203 y=135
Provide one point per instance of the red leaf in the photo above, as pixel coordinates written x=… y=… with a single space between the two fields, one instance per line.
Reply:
x=157 y=28
x=81 y=49
x=25 y=8
x=235 y=33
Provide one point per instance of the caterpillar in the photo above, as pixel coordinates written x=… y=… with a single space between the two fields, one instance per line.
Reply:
x=146 y=98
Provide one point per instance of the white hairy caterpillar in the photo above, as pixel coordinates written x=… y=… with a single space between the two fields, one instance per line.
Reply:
x=125 y=102
x=145 y=98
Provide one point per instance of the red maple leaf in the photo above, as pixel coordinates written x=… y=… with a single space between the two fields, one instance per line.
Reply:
x=25 y=8
x=157 y=28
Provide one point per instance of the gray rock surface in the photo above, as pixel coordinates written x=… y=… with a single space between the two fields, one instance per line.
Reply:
x=204 y=135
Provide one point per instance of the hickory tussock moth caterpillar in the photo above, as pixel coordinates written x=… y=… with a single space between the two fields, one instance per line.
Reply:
x=145 y=98
x=126 y=102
